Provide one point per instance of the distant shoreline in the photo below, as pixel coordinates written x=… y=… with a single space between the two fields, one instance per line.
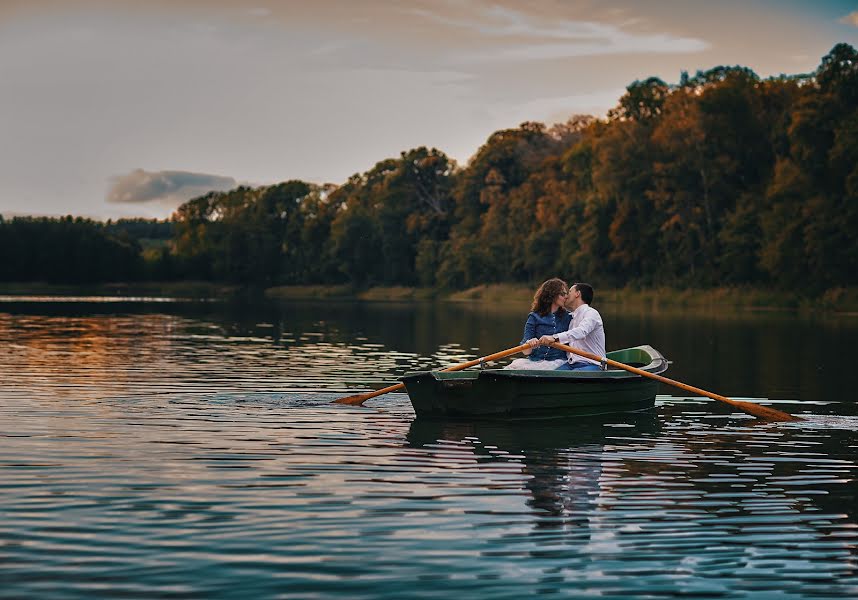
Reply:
x=839 y=300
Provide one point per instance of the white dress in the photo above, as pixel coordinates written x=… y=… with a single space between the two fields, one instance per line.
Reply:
x=525 y=364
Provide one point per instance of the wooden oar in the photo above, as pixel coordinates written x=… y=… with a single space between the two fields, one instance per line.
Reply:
x=763 y=412
x=361 y=398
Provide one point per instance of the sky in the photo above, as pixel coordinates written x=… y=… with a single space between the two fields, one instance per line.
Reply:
x=127 y=108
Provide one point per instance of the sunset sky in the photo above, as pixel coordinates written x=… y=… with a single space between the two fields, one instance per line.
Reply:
x=127 y=108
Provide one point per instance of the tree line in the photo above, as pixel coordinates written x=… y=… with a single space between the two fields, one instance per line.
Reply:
x=73 y=250
x=722 y=178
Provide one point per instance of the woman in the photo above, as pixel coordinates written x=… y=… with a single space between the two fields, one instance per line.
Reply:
x=547 y=317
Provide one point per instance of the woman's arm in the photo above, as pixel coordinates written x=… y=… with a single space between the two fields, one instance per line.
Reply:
x=529 y=336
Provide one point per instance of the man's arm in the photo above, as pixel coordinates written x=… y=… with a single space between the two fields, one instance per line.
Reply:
x=587 y=325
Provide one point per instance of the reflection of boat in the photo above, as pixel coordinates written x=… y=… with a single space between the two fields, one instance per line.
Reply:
x=536 y=436
x=499 y=393
x=562 y=462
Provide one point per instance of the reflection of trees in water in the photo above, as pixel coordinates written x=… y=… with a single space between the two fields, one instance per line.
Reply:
x=747 y=354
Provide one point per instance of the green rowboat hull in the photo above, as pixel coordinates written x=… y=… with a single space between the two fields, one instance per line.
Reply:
x=500 y=393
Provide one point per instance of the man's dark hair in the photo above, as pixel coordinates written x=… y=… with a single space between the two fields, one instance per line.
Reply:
x=586 y=292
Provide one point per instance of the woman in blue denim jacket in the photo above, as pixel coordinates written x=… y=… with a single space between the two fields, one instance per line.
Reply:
x=547 y=317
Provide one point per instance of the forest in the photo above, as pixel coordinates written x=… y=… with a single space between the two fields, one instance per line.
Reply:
x=723 y=178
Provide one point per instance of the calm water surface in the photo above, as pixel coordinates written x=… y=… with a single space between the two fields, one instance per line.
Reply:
x=175 y=450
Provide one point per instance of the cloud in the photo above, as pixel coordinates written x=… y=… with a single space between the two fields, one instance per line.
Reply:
x=850 y=19
x=656 y=44
x=165 y=188
x=523 y=37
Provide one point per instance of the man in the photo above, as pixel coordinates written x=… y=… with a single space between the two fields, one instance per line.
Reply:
x=586 y=331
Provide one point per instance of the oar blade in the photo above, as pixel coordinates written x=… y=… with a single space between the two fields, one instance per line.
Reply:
x=359 y=399
x=765 y=412
x=355 y=400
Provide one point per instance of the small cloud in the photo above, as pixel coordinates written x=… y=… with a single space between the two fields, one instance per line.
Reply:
x=329 y=48
x=850 y=19
x=259 y=12
x=165 y=188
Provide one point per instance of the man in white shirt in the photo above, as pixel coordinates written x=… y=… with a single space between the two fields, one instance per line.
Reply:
x=586 y=331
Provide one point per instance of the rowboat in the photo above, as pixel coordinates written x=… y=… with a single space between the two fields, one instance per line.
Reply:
x=534 y=394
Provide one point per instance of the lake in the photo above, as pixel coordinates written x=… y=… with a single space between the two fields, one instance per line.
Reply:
x=154 y=448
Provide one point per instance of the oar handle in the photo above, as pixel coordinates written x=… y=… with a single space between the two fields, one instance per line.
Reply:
x=763 y=412
x=390 y=388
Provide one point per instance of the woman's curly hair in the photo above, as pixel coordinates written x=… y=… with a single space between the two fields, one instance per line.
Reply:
x=545 y=295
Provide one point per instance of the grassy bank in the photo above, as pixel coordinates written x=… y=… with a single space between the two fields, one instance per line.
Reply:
x=839 y=300
x=375 y=294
